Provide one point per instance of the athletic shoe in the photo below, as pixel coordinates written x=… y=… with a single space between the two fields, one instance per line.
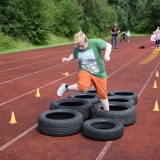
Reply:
x=62 y=89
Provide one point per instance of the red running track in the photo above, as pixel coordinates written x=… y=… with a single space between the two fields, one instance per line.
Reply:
x=23 y=72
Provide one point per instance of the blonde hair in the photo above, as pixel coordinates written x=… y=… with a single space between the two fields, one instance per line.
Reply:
x=80 y=37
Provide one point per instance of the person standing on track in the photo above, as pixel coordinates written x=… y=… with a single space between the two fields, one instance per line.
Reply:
x=91 y=67
x=128 y=35
x=114 y=31
x=153 y=39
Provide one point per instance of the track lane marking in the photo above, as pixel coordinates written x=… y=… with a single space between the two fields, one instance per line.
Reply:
x=27 y=75
x=1 y=104
x=125 y=65
x=18 y=137
x=145 y=85
x=34 y=57
x=30 y=64
x=104 y=150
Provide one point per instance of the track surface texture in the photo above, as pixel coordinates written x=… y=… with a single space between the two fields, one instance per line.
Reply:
x=22 y=73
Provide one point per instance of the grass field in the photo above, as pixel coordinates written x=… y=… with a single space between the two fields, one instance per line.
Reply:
x=22 y=45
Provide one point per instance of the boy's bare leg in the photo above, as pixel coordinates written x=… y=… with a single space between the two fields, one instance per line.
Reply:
x=105 y=104
x=64 y=88
x=73 y=87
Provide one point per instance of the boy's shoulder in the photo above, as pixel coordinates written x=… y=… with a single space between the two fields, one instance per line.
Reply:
x=95 y=40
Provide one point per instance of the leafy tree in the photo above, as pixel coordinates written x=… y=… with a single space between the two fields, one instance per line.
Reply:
x=67 y=18
x=11 y=17
x=38 y=20
x=103 y=17
x=98 y=17
x=154 y=14
x=26 y=18
x=131 y=13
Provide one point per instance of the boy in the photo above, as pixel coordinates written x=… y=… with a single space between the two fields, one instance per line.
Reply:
x=91 y=67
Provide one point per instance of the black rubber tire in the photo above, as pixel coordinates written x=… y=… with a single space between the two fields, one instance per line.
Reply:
x=93 y=91
x=129 y=94
x=121 y=99
x=102 y=129
x=81 y=105
x=87 y=96
x=60 y=122
x=125 y=113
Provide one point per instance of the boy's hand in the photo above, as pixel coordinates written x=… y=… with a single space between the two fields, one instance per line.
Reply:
x=107 y=58
x=64 y=60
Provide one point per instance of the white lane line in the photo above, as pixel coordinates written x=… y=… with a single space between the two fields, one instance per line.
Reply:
x=35 y=89
x=35 y=57
x=30 y=74
x=104 y=150
x=30 y=64
x=27 y=58
x=18 y=137
x=106 y=147
x=125 y=65
x=145 y=85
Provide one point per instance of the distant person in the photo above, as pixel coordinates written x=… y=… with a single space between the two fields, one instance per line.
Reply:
x=158 y=39
x=153 y=39
x=157 y=30
x=128 y=35
x=123 y=37
x=114 y=31
x=91 y=67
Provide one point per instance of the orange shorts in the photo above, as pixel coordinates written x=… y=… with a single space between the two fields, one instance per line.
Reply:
x=84 y=82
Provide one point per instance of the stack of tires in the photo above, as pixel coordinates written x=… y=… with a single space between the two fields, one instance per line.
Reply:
x=83 y=112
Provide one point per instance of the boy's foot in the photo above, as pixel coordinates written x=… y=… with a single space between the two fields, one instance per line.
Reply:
x=62 y=89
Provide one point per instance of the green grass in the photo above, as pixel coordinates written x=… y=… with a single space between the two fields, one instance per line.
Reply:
x=139 y=34
x=22 y=45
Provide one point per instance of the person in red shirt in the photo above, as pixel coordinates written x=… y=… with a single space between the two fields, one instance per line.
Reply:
x=114 y=31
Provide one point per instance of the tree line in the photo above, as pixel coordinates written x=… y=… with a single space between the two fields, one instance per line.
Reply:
x=34 y=20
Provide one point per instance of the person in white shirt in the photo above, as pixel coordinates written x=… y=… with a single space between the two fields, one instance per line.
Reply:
x=153 y=40
x=128 y=35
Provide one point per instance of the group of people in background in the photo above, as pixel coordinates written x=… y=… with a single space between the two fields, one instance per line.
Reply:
x=125 y=36
x=155 y=38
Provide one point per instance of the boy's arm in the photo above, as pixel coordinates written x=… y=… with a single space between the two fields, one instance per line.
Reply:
x=70 y=58
x=107 y=52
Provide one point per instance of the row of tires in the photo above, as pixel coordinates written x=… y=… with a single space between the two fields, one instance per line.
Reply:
x=84 y=112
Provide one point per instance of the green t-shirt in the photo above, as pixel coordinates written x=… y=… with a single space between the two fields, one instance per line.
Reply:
x=91 y=59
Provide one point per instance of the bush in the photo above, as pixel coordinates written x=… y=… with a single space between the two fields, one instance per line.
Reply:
x=6 y=42
x=98 y=18
x=143 y=26
x=27 y=18
x=67 y=18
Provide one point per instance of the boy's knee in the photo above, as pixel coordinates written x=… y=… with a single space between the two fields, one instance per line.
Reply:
x=83 y=86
